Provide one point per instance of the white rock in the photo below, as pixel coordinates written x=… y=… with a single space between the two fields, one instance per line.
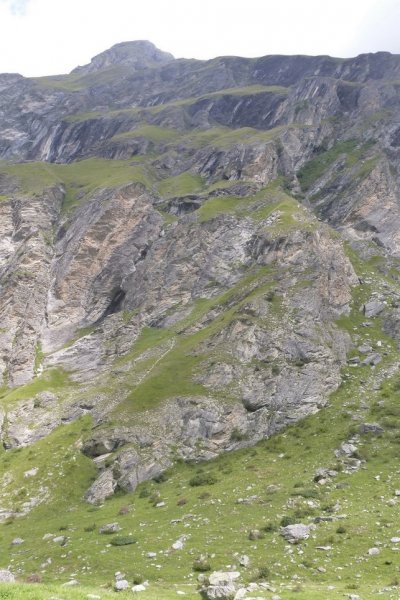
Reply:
x=31 y=472
x=223 y=577
x=71 y=582
x=151 y=554
x=178 y=545
x=139 y=588
x=295 y=533
x=93 y=597
x=395 y=540
x=244 y=560
x=17 y=541
x=121 y=585
x=373 y=551
x=221 y=592
x=47 y=536
x=59 y=539
x=160 y=504
x=6 y=576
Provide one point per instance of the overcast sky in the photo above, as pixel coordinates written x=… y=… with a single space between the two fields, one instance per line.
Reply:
x=44 y=37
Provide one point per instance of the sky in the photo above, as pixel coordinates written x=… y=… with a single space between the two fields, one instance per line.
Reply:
x=47 y=37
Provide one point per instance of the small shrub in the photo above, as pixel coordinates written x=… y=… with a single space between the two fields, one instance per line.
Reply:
x=202 y=479
x=123 y=540
x=341 y=529
x=262 y=573
x=144 y=493
x=90 y=528
x=351 y=586
x=181 y=502
x=270 y=528
x=287 y=520
x=307 y=563
x=124 y=510
x=63 y=528
x=204 y=496
x=161 y=478
x=138 y=579
x=201 y=565
x=34 y=578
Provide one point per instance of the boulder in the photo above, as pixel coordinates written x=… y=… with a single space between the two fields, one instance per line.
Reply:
x=372 y=359
x=223 y=577
x=121 y=585
x=296 y=533
x=373 y=308
x=373 y=428
x=6 y=576
x=110 y=528
x=220 y=592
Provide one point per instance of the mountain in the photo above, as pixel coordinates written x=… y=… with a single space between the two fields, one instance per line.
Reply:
x=197 y=257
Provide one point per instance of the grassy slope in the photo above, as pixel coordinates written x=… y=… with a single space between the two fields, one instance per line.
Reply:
x=218 y=525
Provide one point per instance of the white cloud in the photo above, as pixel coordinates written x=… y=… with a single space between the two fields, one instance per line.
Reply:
x=41 y=37
x=16 y=7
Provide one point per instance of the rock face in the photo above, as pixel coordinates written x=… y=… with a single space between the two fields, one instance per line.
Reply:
x=164 y=263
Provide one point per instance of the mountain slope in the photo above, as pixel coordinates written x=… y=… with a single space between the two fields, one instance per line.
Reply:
x=194 y=256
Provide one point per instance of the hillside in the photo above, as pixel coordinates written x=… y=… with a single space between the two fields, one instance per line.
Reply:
x=199 y=266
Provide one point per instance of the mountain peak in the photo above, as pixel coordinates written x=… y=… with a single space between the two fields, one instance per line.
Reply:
x=134 y=54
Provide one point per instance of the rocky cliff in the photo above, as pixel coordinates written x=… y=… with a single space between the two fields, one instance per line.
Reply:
x=178 y=247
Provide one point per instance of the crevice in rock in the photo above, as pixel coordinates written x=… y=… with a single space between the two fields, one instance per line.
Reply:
x=114 y=306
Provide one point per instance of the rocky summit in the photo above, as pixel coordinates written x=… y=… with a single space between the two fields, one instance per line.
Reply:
x=199 y=258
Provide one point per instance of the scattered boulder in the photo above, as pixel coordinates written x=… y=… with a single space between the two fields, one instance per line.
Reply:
x=102 y=488
x=346 y=449
x=374 y=551
x=6 y=576
x=255 y=534
x=373 y=428
x=354 y=360
x=373 y=308
x=372 y=359
x=60 y=539
x=244 y=561
x=139 y=588
x=323 y=473
x=364 y=348
x=296 y=533
x=110 y=528
x=220 y=592
x=31 y=472
x=121 y=585
x=223 y=577
x=17 y=541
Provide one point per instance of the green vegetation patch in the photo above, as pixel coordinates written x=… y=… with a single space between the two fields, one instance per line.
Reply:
x=351 y=150
x=180 y=185
x=80 y=178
